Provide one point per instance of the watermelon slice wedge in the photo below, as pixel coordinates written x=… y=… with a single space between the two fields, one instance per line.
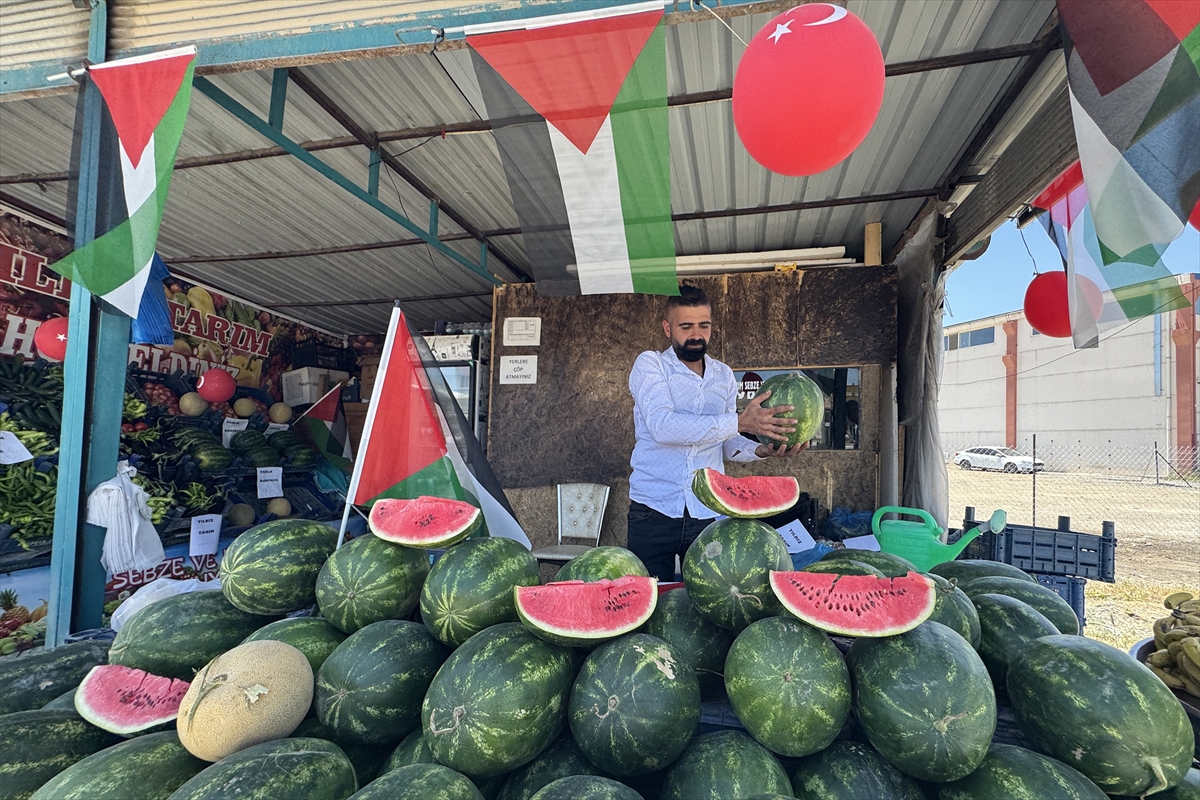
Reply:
x=424 y=521
x=750 y=497
x=124 y=700
x=856 y=605
x=576 y=614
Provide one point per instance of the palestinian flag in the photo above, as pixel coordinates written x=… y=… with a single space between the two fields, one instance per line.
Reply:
x=1133 y=72
x=578 y=104
x=325 y=422
x=1129 y=290
x=146 y=102
x=417 y=442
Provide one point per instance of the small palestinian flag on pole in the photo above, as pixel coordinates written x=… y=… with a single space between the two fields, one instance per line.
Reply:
x=146 y=102
x=325 y=422
x=416 y=442
x=578 y=104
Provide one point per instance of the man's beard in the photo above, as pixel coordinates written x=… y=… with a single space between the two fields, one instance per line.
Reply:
x=691 y=350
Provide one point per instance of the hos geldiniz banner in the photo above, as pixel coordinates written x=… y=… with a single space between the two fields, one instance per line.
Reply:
x=211 y=330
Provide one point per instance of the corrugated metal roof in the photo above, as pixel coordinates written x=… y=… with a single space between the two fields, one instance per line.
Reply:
x=35 y=31
x=278 y=204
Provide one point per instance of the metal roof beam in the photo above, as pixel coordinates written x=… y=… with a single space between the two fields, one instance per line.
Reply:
x=209 y=89
x=376 y=301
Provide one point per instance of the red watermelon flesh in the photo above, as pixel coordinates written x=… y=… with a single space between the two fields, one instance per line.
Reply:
x=571 y=613
x=856 y=605
x=124 y=700
x=750 y=497
x=424 y=522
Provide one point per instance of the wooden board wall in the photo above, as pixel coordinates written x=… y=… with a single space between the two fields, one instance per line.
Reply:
x=576 y=422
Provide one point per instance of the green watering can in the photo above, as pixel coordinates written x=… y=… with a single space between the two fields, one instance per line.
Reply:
x=921 y=542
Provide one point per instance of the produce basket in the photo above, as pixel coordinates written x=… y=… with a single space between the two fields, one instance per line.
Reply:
x=1048 y=551
x=1141 y=651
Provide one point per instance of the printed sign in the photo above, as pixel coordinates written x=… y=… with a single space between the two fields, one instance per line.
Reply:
x=518 y=369
x=206 y=533
x=868 y=542
x=796 y=537
x=522 y=331
x=270 y=482
x=12 y=451
x=275 y=427
x=230 y=426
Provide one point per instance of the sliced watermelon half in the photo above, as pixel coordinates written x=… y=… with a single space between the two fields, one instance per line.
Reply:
x=424 y=521
x=856 y=605
x=576 y=614
x=124 y=700
x=747 y=498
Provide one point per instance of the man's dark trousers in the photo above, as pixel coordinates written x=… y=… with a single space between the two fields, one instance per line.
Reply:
x=656 y=538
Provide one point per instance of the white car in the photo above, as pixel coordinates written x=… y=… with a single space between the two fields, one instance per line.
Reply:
x=1004 y=459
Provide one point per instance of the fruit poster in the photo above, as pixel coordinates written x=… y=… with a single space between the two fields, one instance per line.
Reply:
x=211 y=329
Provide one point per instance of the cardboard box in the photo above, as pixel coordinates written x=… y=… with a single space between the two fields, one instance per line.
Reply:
x=309 y=384
x=369 y=366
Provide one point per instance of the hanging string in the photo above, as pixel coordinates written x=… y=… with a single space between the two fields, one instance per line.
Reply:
x=718 y=18
x=1028 y=251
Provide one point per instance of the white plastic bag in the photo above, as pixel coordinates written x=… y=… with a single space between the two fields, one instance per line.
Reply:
x=157 y=590
x=130 y=540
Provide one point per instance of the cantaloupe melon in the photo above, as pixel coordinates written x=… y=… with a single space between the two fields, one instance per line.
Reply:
x=254 y=693
x=280 y=413
x=192 y=404
x=244 y=407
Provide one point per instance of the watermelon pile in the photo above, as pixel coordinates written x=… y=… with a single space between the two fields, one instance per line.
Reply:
x=405 y=672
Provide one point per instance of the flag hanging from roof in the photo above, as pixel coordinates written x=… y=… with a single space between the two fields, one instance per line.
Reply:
x=1129 y=290
x=325 y=422
x=579 y=110
x=417 y=442
x=146 y=101
x=1133 y=74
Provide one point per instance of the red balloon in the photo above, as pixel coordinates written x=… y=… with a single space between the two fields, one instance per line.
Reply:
x=50 y=339
x=216 y=386
x=1046 y=306
x=1195 y=217
x=808 y=89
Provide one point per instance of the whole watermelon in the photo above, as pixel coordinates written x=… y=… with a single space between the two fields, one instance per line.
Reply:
x=789 y=685
x=412 y=750
x=1044 y=599
x=368 y=580
x=850 y=771
x=1014 y=772
x=149 y=767
x=597 y=563
x=968 y=570
x=843 y=566
x=272 y=568
x=212 y=457
x=367 y=759
x=497 y=701
x=303 y=767
x=282 y=440
x=798 y=390
x=264 y=456
x=727 y=571
x=369 y=690
x=313 y=636
x=954 y=609
x=699 y=642
x=721 y=765
x=37 y=678
x=1093 y=707
x=471 y=587
x=891 y=566
x=176 y=636
x=37 y=745
x=586 y=787
x=420 y=782
x=925 y=701
x=300 y=455
x=634 y=706
x=561 y=759
x=1006 y=626
x=247 y=440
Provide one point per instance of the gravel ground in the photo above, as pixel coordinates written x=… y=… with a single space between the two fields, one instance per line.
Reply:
x=1158 y=537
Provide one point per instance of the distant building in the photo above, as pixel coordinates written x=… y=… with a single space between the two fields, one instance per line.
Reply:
x=1003 y=382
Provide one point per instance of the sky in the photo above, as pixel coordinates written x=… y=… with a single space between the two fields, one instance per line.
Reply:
x=995 y=283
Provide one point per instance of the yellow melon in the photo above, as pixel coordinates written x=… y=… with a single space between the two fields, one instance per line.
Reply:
x=244 y=407
x=192 y=404
x=280 y=413
x=251 y=694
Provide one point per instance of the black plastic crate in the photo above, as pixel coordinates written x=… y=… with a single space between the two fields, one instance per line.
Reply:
x=1069 y=589
x=315 y=354
x=1049 y=551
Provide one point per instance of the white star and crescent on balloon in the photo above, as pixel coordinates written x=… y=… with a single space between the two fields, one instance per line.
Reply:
x=780 y=30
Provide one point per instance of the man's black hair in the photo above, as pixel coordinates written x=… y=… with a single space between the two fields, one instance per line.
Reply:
x=689 y=296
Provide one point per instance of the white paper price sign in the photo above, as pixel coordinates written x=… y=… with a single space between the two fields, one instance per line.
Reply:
x=11 y=449
x=518 y=369
x=206 y=532
x=796 y=537
x=868 y=542
x=275 y=427
x=231 y=426
x=270 y=482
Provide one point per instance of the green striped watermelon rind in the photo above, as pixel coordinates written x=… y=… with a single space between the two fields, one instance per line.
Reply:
x=580 y=614
x=300 y=767
x=750 y=497
x=856 y=605
x=424 y=522
x=1009 y=771
x=154 y=765
x=891 y=565
x=634 y=705
x=601 y=562
x=925 y=701
x=701 y=643
x=315 y=637
x=789 y=685
x=37 y=745
x=724 y=764
x=968 y=569
x=367 y=580
x=1006 y=625
x=561 y=759
x=726 y=571
x=954 y=609
x=798 y=390
x=272 y=569
x=1043 y=598
x=37 y=678
x=424 y=781
x=585 y=787
x=1097 y=709
x=852 y=769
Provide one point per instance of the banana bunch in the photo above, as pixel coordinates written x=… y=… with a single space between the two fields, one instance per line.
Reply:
x=1177 y=636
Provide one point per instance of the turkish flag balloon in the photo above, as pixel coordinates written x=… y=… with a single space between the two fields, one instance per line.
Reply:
x=808 y=89
x=216 y=386
x=1046 y=306
x=1195 y=217
x=50 y=339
